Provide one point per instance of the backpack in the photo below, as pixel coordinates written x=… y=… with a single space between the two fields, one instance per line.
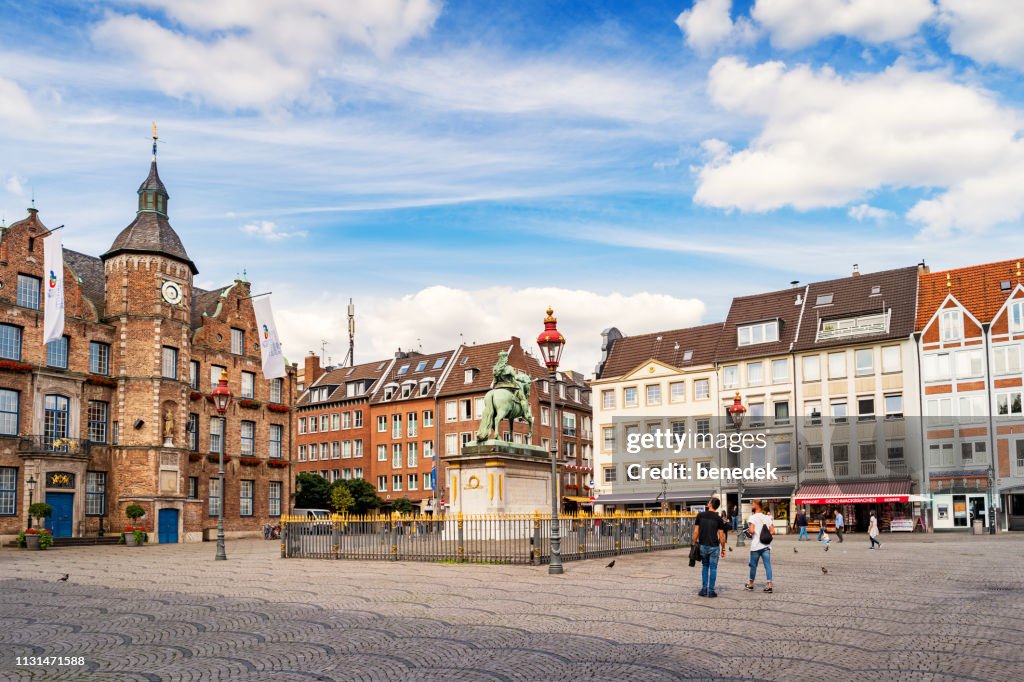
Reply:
x=766 y=535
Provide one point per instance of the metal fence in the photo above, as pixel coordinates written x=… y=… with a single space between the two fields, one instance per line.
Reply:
x=490 y=538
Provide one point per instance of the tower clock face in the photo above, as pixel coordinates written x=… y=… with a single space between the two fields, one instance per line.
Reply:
x=171 y=292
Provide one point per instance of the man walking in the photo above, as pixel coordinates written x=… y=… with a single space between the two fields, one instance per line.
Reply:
x=759 y=551
x=873 y=531
x=801 y=525
x=824 y=523
x=840 y=525
x=709 y=534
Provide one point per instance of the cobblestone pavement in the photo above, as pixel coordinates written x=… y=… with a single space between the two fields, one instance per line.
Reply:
x=923 y=608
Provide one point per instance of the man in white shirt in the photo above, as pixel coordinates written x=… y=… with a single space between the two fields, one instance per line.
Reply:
x=759 y=551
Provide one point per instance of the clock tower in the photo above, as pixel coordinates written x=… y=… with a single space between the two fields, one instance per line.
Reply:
x=148 y=299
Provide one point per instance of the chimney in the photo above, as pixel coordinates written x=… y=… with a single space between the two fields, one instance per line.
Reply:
x=795 y=283
x=856 y=271
x=923 y=269
x=312 y=370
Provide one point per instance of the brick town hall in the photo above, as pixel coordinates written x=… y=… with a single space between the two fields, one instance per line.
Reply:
x=117 y=412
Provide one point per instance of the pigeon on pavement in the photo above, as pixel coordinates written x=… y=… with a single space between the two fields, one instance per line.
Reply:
x=611 y=565
x=794 y=551
x=824 y=570
x=65 y=578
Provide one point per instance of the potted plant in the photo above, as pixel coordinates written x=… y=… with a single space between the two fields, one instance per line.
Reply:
x=277 y=407
x=40 y=511
x=134 y=536
x=249 y=404
x=35 y=538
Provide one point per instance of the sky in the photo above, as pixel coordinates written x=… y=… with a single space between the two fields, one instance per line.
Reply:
x=456 y=167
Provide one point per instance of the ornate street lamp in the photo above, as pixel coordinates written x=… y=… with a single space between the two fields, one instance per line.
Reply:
x=31 y=489
x=737 y=412
x=551 y=343
x=221 y=399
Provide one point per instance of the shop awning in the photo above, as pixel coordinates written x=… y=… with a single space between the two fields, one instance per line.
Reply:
x=655 y=497
x=873 y=492
x=577 y=499
x=768 y=492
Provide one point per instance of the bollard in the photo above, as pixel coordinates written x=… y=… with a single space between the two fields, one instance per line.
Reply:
x=461 y=549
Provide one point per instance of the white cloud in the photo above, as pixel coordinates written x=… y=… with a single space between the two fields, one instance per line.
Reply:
x=15 y=186
x=987 y=32
x=257 y=54
x=16 y=108
x=797 y=23
x=433 y=318
x=707 y=26
x=265 y=229
x=862 y=212
x=827 y=140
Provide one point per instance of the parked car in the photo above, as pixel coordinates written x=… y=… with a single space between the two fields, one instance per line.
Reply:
x=320 y=520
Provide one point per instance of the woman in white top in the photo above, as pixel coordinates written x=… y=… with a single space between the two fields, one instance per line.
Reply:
x=758 y=550
x=873 y=531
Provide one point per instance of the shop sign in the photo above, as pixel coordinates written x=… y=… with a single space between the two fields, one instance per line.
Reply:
x=875 y=499
x=897 y=525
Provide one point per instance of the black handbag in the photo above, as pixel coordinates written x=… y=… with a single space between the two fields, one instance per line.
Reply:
x=766 y=535
x=694 y=554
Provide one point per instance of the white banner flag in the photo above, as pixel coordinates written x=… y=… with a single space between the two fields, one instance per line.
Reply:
x=270 y=343
x=53 y=284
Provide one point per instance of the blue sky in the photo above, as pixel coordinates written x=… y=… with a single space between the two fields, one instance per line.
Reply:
x=455 y=167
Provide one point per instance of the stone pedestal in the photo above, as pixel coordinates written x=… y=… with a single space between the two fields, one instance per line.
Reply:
x=497 y=477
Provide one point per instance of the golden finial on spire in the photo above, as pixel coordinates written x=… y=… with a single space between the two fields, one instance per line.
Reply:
x=154 y=130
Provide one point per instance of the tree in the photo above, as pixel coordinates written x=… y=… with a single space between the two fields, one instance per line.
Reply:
x=403 y=506
x=40 y=511
x=315 y=492
x=364 y=496
x=341 y=498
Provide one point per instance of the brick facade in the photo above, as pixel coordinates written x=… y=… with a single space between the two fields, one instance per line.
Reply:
x=142 y=445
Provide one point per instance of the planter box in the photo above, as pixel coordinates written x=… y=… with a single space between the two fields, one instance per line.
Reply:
x=129 y=539
x=31 y=541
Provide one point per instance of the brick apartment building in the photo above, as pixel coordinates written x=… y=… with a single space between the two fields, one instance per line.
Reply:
x=114 y=413
x=334 y=431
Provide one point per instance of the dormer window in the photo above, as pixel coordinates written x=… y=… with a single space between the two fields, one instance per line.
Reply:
x=951 y=325
x=469 y=376
x=761 y=332
x=877 y=323
x=425 y=387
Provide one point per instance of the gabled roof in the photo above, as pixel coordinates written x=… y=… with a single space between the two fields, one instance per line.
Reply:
x=667 y=347
x=205 y=302
x=977 y=288
x=858 y=296
x=481 y=357
x=413 y=360
x=778 y=305
x=340 y=376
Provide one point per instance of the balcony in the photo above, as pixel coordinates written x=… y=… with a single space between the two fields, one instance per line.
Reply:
x=46 y=445
x=568 y=431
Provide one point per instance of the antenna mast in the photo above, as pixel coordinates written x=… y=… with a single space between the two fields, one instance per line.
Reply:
x=350 y=358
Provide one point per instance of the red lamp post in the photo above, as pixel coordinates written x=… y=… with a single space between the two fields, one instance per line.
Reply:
x=551 y=343
x=737 y=412
x=221 y=399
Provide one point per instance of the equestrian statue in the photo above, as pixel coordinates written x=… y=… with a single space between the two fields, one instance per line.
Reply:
x=509 y=398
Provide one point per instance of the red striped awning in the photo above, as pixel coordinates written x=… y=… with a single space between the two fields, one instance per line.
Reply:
x=873 y=492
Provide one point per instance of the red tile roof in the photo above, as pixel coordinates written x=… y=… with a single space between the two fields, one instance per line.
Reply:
x=411 y=362
x=340 y=375
x=977 y=287
x=669 y=347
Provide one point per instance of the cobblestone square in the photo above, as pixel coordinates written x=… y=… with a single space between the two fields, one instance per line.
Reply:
x=929 y=607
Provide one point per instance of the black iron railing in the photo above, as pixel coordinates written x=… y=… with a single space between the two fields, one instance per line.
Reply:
x=50 y=445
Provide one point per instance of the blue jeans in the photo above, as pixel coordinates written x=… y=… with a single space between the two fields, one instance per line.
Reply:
x=821 y=531
x=765 y=555
x=709 y=566
x=803 y=533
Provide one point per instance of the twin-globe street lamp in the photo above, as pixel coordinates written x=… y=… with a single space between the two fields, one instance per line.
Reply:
x=737 y=412
x=221 y=398
x=551 y=343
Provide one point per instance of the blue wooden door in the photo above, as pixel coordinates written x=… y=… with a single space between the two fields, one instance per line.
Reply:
x=63 y=506
x=167 y=526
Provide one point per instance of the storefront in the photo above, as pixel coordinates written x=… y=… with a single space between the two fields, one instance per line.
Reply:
x=776 y=501
x=1013 y=503
x=958 y=499
x=890 y=500
x=675 y=500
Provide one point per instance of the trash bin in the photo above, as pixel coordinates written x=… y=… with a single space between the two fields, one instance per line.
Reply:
x=979 y=527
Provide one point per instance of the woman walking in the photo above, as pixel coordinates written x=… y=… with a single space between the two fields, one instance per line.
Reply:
x=873 y=531
x=760 y=551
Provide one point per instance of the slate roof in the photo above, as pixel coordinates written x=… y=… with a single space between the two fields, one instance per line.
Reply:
x=775 y=305
x=977 y=287
x=153 y=181
x=413 y=360
x=205 y=302
x=630 y=352
x=852 y=297
x=339 y=376
x=90 y=270
x=482 y=358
